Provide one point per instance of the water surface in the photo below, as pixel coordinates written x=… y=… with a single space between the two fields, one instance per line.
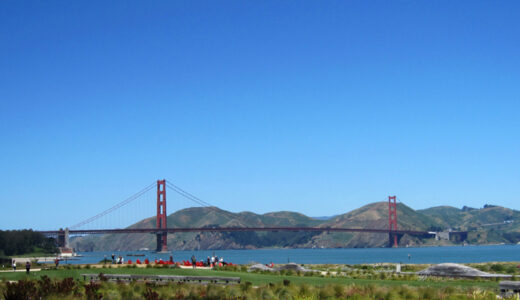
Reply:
x=457 y=254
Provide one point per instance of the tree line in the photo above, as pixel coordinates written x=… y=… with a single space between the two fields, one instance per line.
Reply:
x=18 y=242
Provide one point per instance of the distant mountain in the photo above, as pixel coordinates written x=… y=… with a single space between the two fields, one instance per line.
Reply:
x=324 y=218
x=374 y=215
x=492 y=224
x=209 y=217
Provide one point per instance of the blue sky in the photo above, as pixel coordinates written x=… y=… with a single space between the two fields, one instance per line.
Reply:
x=311 y=106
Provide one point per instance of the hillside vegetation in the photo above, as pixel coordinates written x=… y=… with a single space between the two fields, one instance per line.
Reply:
x=20 y=242
x=492 y=224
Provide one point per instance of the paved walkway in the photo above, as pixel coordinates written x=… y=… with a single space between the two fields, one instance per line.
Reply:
x=23 y=260
x=19 y=270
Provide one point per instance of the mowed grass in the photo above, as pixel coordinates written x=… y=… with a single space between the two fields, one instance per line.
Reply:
x=255 y=278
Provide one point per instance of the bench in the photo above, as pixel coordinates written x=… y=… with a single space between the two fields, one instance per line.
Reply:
x=162 y=279
x=509 y=288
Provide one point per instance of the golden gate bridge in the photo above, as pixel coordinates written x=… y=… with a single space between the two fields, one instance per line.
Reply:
x=161 y=229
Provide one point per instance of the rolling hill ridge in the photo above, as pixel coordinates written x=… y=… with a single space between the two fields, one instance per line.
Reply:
x=491 y=224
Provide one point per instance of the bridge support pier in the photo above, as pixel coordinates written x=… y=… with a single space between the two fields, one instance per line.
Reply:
x=394 y=239
x=162 y=236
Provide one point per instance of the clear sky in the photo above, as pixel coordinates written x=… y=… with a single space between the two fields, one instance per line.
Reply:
x=318 y=107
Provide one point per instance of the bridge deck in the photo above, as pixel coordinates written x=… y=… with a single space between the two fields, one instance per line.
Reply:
x=233 y=229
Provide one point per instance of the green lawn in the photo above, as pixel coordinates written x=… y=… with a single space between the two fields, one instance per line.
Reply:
x=255 y=278
x=37 y=252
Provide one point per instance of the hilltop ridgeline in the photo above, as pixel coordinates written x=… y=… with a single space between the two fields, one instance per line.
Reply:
x=491 y=224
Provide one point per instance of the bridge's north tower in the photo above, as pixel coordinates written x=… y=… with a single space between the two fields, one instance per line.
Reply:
x=392 y=220
x=162 y=236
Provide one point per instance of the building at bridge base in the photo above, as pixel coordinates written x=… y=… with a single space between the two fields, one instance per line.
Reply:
x=63 y=243
x=162 y=236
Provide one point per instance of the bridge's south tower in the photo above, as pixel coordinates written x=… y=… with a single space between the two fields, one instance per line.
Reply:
x=161 y=216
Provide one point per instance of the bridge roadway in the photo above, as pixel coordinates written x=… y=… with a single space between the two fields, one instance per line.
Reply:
x=234 y=229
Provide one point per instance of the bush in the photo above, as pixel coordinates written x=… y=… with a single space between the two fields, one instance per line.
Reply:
x=46 y=288
x=91 y=291
x=42 y=288
x=325 y=293
x=23 y=289
x=304 y=290
x=339 y=290
x=246 y=286
x=497 y=267
x=149 y=294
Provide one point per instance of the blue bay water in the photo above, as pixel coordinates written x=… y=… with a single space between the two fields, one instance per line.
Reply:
x=469 y=254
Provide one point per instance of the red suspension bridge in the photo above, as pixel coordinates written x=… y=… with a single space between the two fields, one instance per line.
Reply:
x=162 y=230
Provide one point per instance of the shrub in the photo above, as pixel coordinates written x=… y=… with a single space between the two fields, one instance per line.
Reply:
x=102 y=277
x=304 y=290
x=284 y=294
x=92 y=291
x=246 y=286
x=497 y=267
x=149 y=294
x=339 y=290
x=427 y=293
x=66 y=286
x=267 y=294
x=23 y=289
x=325 y=293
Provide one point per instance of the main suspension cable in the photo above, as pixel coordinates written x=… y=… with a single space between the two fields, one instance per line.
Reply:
x=115 y=207
x=196 y=199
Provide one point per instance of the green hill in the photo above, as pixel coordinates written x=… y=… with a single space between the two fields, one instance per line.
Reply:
x=492 y=224
x=208 y=217
x=374 y=215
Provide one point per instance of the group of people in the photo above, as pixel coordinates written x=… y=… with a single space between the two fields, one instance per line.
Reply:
x=27 y=266
x=120 y=260
x=209 y=262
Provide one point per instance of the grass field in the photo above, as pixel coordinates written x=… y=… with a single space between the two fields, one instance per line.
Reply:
x=361 y=282
x=254 y=278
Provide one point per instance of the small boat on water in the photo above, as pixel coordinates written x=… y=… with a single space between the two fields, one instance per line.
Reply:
x=135 y=255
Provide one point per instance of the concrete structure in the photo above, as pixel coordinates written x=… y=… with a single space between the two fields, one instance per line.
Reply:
x=457 y=271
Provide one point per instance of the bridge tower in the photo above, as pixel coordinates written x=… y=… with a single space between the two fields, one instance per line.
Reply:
x=161 y=216
x=63 y=238
x=392 y=220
